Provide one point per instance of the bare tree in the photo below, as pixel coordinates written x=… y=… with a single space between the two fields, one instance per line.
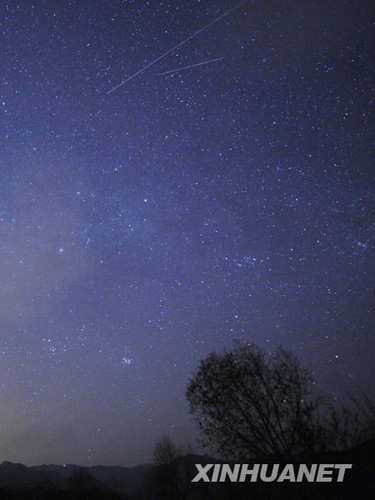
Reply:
x=249 y=403
x=82 y=485
x=365 y=412
x=164 y=479
x=165 y=451
x=173 y=471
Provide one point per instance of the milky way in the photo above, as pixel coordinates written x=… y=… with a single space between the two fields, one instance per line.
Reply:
x=144 y=228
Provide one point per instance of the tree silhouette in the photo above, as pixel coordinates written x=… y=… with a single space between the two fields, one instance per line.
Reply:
x=83 y=486
x=165 y=451
x=250 y=403
x=173 y=470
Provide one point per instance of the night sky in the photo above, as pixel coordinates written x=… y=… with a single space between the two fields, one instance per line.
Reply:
x=144 y=227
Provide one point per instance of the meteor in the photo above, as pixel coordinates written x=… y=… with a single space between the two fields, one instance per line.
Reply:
x=176 y=47
x=191 y=66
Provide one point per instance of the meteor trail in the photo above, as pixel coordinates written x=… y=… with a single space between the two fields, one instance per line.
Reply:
x=191 y=66
x=176 y=46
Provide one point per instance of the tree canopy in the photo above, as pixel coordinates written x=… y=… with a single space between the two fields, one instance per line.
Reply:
x=250 y=403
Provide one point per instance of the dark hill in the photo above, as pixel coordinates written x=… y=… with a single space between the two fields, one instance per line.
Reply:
x=146 y=482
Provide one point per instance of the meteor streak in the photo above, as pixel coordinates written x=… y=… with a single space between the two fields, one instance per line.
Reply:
x=191 y=66
x=176 y=46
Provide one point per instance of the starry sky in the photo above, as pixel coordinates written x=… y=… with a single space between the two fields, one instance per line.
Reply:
x=145 y=224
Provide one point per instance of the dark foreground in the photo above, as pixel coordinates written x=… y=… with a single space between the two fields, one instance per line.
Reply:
x=173 y=482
